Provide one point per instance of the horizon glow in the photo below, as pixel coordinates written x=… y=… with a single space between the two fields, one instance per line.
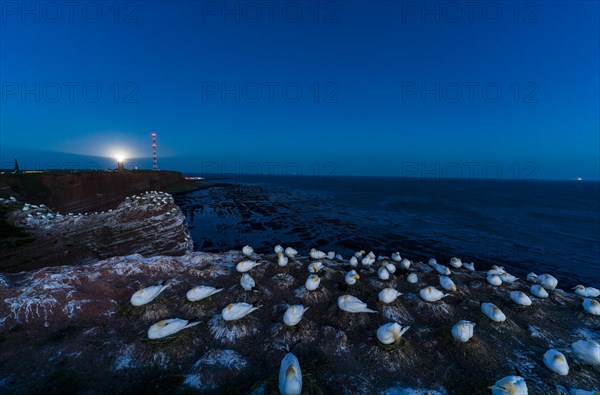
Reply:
x=345 y=88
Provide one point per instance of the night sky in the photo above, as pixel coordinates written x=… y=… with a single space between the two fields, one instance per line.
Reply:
x=502 y=89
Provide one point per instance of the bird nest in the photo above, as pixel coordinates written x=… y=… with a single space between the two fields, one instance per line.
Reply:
x=230 y=331
x=318 y=296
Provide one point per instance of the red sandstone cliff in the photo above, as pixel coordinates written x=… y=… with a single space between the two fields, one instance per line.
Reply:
x=35 y=236
x=80 y=192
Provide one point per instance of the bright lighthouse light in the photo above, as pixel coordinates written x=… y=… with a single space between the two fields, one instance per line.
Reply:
x=120 y=157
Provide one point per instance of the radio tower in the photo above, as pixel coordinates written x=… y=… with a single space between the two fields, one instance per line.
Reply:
x=154 y=161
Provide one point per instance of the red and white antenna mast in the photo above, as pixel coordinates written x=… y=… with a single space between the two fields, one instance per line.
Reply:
x=154 y=161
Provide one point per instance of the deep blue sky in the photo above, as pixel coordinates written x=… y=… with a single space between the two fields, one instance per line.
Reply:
x=372 y=57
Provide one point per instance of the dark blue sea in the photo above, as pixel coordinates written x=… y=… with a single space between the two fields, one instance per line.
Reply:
x=540 y=226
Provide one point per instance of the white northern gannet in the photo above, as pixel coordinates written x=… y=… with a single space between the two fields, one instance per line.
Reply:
x=463 y=331
x=312 y=282
x=290 y=252
x=246 y=266
x=351 y=277
x=314 y=254
x=293 y=314
x=236 y=311
x=147 y=295
x=591 y=306
x=383 y=274
x=290 y=376
x=447 y=284
x=391 y=333
x=588 y=351
x=539 y=291
x=388 y=295
x=431 y=294
x=455 y=263
x=247 y=282
x=511 y=385
x=556 y=362
x=494 y=279
x=520 y=298
x=352 y=304
x=493 y=312
x=168 y=327
x=586 y=292
x=201 y=292
x=248 y=251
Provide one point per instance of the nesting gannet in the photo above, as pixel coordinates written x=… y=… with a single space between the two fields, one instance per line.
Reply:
x=396 y=257
x=591 y=306
x=351 y=277
x=246 y=266
x=441 y=269
x=469 y=266
x=248 y=251
x=539 y=291
x=236 y=311
x=290 y=376
x=412 y=278
x=339 y=257
x=359 y=254
x=278 y=249
x=405 y=264
x=247 y=282
x=520 y=298
x=588 y=351
x=432 y=261
x=282 y=260
x=389 y=267
x=511 y=385
x=352 y=304
x=586 y=292
x=532 y=277
x=455 y=263
x=498 y=269
x=293 y=314
x=168 y=327
x=547 y=281
x=147 y=295
x=447 y=283
x=290 y=252
x=463 y=331
x=353 y=262
x=508 y=278
x=556 y=362
x=494 y=279
x=201 y=292
x=314 y=254
x=312 y=282
x=391 y=332
x=493 y=312
x=431 y=294
x=383 y=274
x=368 y=260
x=315 y=267
x=331 y=255
x=388 y=295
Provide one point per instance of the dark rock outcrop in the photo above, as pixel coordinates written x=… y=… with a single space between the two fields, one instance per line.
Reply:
x=74 y=329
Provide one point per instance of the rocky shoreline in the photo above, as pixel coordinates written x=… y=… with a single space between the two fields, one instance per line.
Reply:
x=74 y=328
